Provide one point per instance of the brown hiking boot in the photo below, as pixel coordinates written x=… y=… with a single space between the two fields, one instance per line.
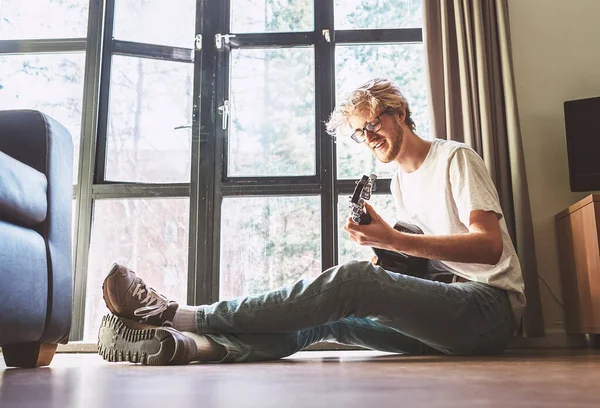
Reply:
x=122 y=339
x=126 y=295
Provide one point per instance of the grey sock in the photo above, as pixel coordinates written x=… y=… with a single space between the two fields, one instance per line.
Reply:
x=185 y=319
x=206 y=348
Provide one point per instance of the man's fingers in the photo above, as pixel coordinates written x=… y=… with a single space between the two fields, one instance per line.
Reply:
x=370 y=209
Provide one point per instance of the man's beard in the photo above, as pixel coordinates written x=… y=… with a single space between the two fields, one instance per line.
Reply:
x=394 y=145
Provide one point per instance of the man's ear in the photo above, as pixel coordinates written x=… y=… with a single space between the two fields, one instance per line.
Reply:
x=401 y=115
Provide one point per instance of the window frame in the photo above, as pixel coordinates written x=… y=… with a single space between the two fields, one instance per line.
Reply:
x=209 y=182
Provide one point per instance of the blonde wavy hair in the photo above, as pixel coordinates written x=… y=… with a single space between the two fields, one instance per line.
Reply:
x=375 y=96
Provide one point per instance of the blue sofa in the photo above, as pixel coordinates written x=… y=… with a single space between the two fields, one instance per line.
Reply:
x=36 y=190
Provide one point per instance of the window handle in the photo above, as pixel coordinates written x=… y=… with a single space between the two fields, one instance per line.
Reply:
x=224 y=111
x=221 y=39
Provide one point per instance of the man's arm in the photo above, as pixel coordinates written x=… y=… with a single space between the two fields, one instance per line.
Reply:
x=482 y=244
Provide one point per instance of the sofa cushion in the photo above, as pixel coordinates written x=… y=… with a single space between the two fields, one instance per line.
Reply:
x=22 y=192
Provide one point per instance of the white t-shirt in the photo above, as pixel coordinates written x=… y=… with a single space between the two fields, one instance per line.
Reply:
x=439 y=197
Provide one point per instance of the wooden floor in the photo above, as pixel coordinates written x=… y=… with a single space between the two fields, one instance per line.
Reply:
x=558 y=378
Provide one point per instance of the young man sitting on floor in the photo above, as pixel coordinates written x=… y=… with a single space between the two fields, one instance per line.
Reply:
x=441 y=186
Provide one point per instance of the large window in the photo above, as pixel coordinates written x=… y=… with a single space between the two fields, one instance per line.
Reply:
x=201 y=153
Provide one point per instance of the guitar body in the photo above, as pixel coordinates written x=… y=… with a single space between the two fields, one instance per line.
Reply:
x=400 y=262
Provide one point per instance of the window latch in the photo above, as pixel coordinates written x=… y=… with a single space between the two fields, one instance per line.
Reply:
x=221 y=39
x=198 y=42
x=224 y=111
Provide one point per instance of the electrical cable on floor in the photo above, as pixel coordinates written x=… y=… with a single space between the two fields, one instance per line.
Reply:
x=552 y=293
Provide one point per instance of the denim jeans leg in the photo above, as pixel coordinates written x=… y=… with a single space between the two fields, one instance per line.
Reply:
x=348 y=331
x=461 y=318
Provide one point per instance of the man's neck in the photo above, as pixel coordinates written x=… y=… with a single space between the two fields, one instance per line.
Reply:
x=413 y=152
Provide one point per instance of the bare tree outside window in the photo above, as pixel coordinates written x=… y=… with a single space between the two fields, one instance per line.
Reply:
x=161 y=22
x=256 y=16
x=273 y=113
x=268 y=242
x=28 y=19
x=149 y=101
x=377 y=14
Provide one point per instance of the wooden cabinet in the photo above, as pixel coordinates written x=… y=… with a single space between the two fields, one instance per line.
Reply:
x=578 y=236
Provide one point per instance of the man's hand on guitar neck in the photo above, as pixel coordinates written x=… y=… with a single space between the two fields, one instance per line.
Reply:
x=376 y=234
x=374 y=260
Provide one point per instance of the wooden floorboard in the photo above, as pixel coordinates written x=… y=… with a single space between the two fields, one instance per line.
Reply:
x=520 y=378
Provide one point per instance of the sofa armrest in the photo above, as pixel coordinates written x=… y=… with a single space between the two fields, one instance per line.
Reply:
x=39 y=141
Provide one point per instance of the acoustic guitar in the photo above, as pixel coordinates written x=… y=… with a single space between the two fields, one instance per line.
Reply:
x=393 y=261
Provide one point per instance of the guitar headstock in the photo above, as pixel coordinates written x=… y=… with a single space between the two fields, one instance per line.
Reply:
x=362 y=193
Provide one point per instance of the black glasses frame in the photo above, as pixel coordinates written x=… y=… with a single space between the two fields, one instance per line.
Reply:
x=359 y=136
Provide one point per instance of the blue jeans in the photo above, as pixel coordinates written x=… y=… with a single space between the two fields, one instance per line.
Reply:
x=360 y=304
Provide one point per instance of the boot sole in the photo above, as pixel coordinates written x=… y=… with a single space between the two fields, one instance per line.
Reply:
x=122 y=339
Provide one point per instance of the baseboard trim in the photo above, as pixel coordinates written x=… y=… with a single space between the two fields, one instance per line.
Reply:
x=77 y=347
x=552 y=339
x=84 y=347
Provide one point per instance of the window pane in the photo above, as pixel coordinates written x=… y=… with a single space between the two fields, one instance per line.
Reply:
x=363 y=14
x=26 y=19
x=148 y=235
x=273 y=113
x=149 y=99
x=50 y=83
x=163 y=22
x=256 y=16
x=268 y=242
x=348 y=249
x=403 y=64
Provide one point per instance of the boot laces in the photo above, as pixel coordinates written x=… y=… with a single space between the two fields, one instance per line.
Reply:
x=155 y=303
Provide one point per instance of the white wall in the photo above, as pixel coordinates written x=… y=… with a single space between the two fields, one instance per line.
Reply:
x=556 y=55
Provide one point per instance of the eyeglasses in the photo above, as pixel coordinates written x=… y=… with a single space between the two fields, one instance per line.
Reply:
x=359 y=136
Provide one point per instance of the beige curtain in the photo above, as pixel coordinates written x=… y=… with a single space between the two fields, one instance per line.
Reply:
x=472 y=99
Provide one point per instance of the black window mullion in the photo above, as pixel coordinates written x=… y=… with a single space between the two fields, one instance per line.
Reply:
x=221 y=142
x=269 y=189
x=396 y=35
x=42 y=46
x=288 y=180
x=159 y=52
x=205 y=204
x=84 y=184
x=104 y=93
x=221 y=146
x=196 y=171
x=324 y=80
x=273 y=39
x=346 y=187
